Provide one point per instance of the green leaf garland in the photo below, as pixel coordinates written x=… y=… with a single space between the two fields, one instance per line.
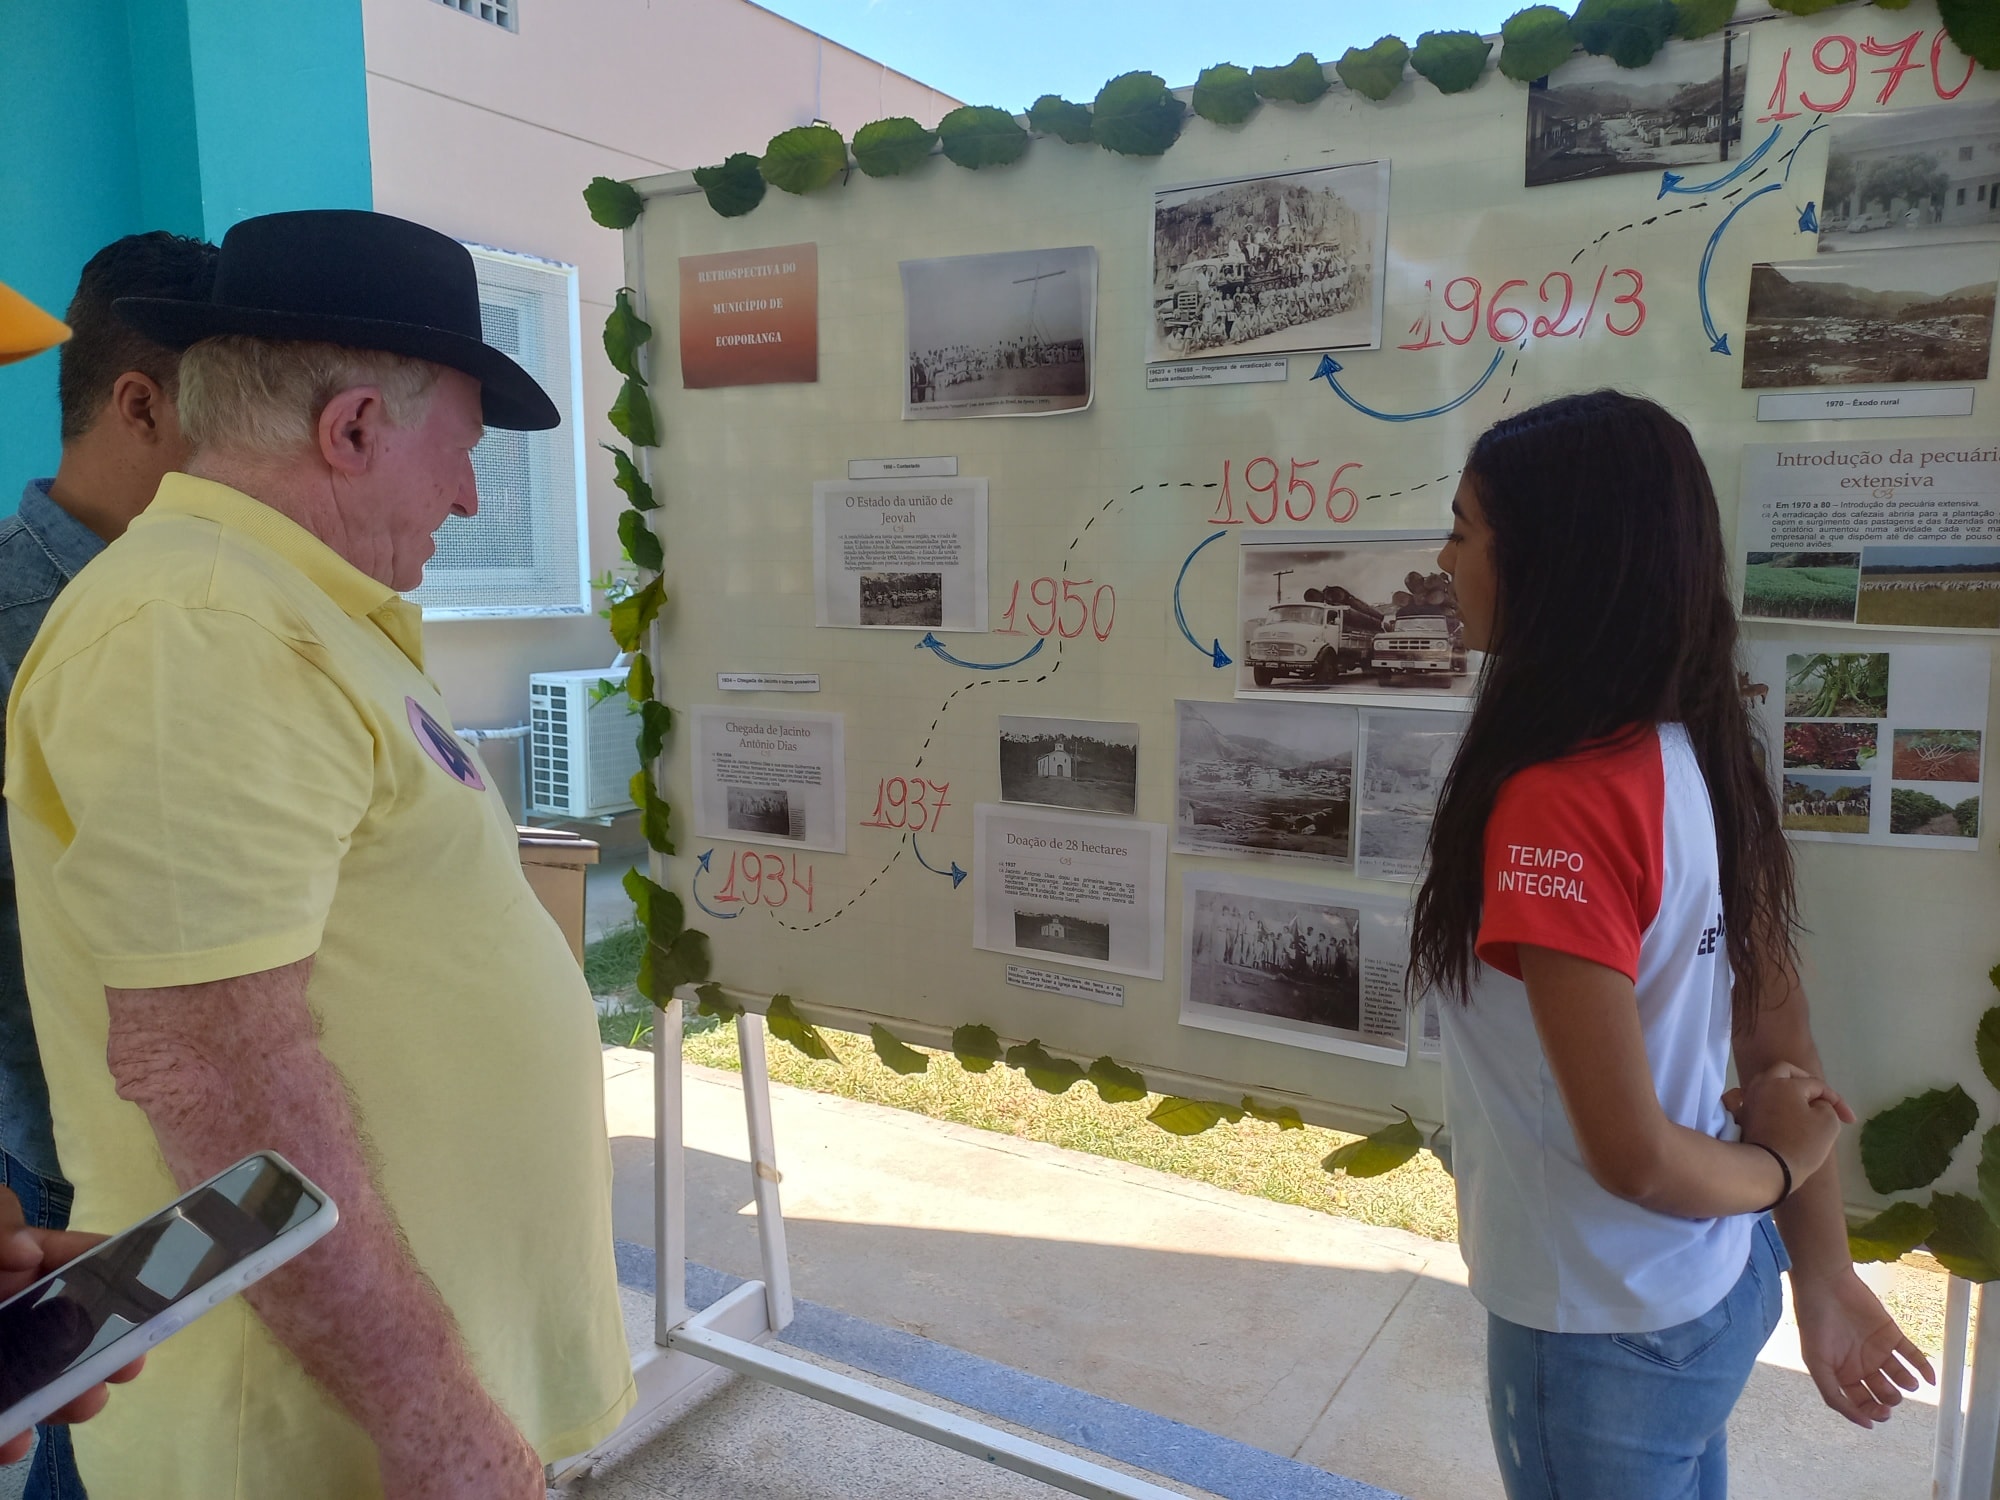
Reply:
x=631 y=615
x=1379 y=1153
x=1891 y=1234
x=666 y=967
x=1192 y=1116
x=1629 y=32
x=1224 y=95
x=787 y=1025
x=803 y=159
x=1536 y=41
x=977 y=135
x=625 y=333
x=1052 y=1075
x=1116 y=1084
x=639 y=677
x=637 y=538
x=1054 y=115
x=711 y=1001
x=1910 y=1144
x=891 y=147
x=1974 y=27
x=614 y=204
x=1699 y=18
x=656 y=818
x=632 y=415
x=734 y=187
x=1805 y=7
x=658 y=909
x=628 y=478
x=1451 y=60
x=1299 y=81
x=1135 y=114
x=1374 y=72
x=1283 y=1115
x=896 y=1057
x=1966 y=1241
x=655 y=720
x=976 y=1048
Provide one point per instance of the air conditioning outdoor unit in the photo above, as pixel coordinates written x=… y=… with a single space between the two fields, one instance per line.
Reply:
x=583 y=743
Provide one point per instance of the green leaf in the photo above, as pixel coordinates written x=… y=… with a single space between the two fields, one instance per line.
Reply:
x=896 y=1057
x=1986 y=1042
x=1224 y=95
x=631 y=615
x=975 y=1047
x=639 y=677
x=1451 y=60
x=1891 y=1234
x=655 y=719
x=656 y=819
x=1136 y=115
x=614 y=204
x=1116 y=1085
x=1382 y=1152
x=712 y=1002
x=625 y=334
x=1805 y=7
x=666 y=967
x=1892 y=4
x=1974 y=28
x=1299 y=81
x=1374 y=72
x=1052 y=1075
x=1629 y=32
x=1179 y=1116
x=1536 y=41
x=640 y=544
x=804 y=158
x=787 y=1025
x=1966 y=1241
x=1989 y=1171
x=1283 y=1116
x=733 y=188
x=977 y=135
x=658 y=909
x=630 y=480
x=632 y=415
x=1909 y=1145
x=1054 y=115
x=889 y=148
x=1699 y=18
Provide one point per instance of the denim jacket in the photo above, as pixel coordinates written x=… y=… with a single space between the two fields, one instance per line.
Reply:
x=42 y=547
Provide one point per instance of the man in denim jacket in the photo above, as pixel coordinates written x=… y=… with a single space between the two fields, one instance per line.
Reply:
x=120 y=434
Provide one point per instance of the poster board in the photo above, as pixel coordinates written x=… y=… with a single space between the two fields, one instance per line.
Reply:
x=1125 y=519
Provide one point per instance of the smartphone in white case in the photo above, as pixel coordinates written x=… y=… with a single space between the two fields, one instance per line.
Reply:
x=80 y=1323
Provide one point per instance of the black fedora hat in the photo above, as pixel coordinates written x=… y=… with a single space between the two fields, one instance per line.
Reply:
x=362 y=280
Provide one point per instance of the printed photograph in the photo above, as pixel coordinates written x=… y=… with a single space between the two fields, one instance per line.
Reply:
x=1266 y=265
x=1800 y=585
x=1825 y=804
x=1063 y=933
x=1070 y=763
x=773 y=812
x=1001 y=335
x=1914 y=177
x=1265 y=956
x=1944 y=588
x=1830 y=747
x=1350 y=616
x=1887 y=317
x=1405 y=759
x=902 y=598
x=1264 y=778
x=1935 y=755
x=1837 y=685
x=1596 y=119
x=1938 y=812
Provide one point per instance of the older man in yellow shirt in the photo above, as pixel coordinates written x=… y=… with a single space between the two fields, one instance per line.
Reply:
x=269 y=902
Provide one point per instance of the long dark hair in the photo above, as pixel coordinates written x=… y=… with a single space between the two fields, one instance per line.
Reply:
x=1613 y=613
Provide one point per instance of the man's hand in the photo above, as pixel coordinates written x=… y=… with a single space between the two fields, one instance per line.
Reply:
x=1854 y=1351
x=27 y=1255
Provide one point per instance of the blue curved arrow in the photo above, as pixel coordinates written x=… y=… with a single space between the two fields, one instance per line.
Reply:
x=1809 y=218
x=954 y=872
x=1330 y=367
x=1718 y=343
x=1673 y=182
x=932 y=643
x=700 y=864
x=1792 y=156
x=1214 y=653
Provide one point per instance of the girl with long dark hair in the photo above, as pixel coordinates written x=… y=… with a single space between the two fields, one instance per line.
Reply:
x=1608 y=914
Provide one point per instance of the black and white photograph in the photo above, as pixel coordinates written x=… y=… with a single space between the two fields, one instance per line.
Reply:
x=902 y=599
x=1363 y=616
x=1005 y=335
x=1079 y=763
x=1079 y=886
x=1684 y=110
x=773 y=813
x=1272 y=779
x=1292 y=262
x=1066 y=934
x=1913 y=177
x=1887 y=317
x=768 y=776
x=1405 y=757
x=1301 y=965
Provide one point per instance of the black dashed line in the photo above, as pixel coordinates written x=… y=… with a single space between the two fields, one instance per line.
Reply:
x=1654 y=220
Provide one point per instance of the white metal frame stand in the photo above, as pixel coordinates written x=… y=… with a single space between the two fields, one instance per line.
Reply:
x=1963 y=1463
x=695 y=1350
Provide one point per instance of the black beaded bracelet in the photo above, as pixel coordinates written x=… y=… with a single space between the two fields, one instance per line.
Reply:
x=1784 y=1167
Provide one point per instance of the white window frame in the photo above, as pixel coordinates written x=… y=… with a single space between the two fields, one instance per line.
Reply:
x=506 y=13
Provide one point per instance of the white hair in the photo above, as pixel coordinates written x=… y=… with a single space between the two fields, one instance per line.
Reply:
x=264 y=397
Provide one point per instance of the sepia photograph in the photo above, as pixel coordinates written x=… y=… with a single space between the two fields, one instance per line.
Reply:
x=1935 y=755
x=1405 y=758
x=1816 y=746
x=1352 y=617
x=1939 y=588
x=1077 y=763
x=772 y=813
x=1913 y=177
x=1264 y=778
x=1265 y=265
x=1837 y=685
x=1595 y=119
x=1887 y=317
x=1800 y=585
x=1299 y=960
x=1004 y=335
x=1935 y=812
x=907 y=599
x=1825 y=804
x=1065 y=933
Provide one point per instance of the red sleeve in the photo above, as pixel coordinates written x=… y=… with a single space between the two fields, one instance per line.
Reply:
x=1573 y=858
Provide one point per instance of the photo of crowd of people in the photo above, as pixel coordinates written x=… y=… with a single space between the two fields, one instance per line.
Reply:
x=999 y=335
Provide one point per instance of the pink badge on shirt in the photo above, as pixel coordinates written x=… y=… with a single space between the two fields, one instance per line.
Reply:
x=442 y=746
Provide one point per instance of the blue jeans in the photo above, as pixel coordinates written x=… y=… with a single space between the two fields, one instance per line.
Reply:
x=1638 y=1416
x=45 y=1203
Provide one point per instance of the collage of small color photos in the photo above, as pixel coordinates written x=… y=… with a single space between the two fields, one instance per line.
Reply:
x=1929 y=588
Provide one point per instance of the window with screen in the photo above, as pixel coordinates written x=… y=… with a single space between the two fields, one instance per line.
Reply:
x=524 y=553
x=501 y=13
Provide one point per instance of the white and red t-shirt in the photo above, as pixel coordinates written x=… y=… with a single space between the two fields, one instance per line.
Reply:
x=1608 y=854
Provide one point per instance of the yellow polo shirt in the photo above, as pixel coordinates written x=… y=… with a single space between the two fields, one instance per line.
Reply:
x=223 y=756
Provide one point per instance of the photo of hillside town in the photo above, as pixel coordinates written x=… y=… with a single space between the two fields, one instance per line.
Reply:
x=1596 y=119
x=1265 y=778
x=1888 y=317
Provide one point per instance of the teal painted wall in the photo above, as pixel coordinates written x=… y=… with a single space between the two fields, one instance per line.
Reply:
x=118 y=116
